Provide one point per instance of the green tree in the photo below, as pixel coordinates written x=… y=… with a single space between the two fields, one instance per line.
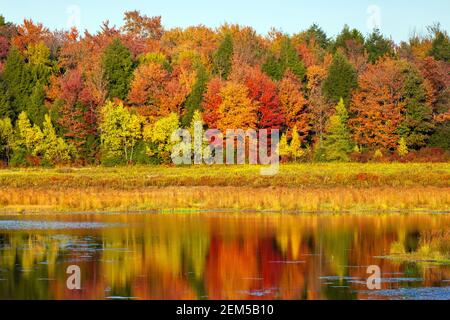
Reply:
x=346 y=35
x=118 y=69
x=6 y=138
x=120 y=132
x=16 y=79
x=28 y=137
x=440 y=47
x=337 y=143
x=53 y=148
x=195 y=98
x=417 y=125
x=288 y=60
x=377 y=46
x=341 y=79
x=319 y=36
x=222 y=60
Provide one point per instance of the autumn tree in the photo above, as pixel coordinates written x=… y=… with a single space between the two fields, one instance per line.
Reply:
x=143 y=26
x=237 y=110
x=148 y=84
x=341 y=79
x=263 y=91
x=72 y=100
x=211 y=102
x=118 y=69
x=318 y=107
x=120 y=132
x=294 y=105
x=378 y=106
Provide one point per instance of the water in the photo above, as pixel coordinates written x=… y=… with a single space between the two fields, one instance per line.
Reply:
x=217 y=256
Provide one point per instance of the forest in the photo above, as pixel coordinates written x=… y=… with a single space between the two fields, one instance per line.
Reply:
x=115 y=97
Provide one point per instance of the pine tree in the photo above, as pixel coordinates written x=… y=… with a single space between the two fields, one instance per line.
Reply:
x=15 y=81
x=341 y=80
x=347 y=35
x=440 y=47
x=222 y=60
x=118 y=69
x=337 y=143
x=417 y=124
x=288 y=60
x=377 y=46
x=195 y=98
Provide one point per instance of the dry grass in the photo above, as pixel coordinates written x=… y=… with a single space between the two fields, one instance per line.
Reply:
x=299 y=188
x=226 y=198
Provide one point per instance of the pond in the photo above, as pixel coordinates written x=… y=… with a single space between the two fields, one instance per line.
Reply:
x=218 y=256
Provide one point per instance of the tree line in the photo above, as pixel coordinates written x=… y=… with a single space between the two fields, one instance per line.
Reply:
x=114 y=97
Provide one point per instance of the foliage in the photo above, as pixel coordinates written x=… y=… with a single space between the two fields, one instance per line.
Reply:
x=237 y=110
x=195 y=98
x=120 y=132
x=288 y=59
x=341 y=80
x=159 y=136
x=378 y=46
x=222 y=57
x=337 y=144
x=118 y=69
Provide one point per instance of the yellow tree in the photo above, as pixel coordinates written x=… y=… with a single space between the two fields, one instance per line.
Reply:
x=237 y=110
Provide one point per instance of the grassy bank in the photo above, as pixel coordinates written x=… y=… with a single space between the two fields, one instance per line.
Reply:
x=311 y=188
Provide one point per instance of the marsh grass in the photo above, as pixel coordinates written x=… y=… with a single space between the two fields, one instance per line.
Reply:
x=434 y=247
x=297 y=188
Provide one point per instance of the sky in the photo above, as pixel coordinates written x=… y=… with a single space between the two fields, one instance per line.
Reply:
x=395 y=18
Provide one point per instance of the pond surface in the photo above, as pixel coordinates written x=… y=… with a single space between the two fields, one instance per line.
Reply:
x=217 y=256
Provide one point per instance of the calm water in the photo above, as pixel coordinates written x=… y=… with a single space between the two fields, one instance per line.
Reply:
x=216 y=256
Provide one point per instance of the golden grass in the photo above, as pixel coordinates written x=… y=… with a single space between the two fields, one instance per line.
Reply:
x=226 y=198
x=297 y=188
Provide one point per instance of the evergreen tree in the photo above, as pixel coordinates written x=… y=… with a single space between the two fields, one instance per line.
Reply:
x=418 y=117
x=337 y=142
x=16 y=80
x=222 y=60
x=272 y=68
x=195 y=98
x=348 y=35
x=377 y=46
x=440 y=47
x=320 y=37
x=341 y=79
x=118 y=69
x=288 y=60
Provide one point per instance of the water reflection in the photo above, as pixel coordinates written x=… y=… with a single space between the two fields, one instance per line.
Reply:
x=216 y=256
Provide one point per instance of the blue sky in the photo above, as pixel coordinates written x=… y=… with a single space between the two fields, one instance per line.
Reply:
x=396 y=18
